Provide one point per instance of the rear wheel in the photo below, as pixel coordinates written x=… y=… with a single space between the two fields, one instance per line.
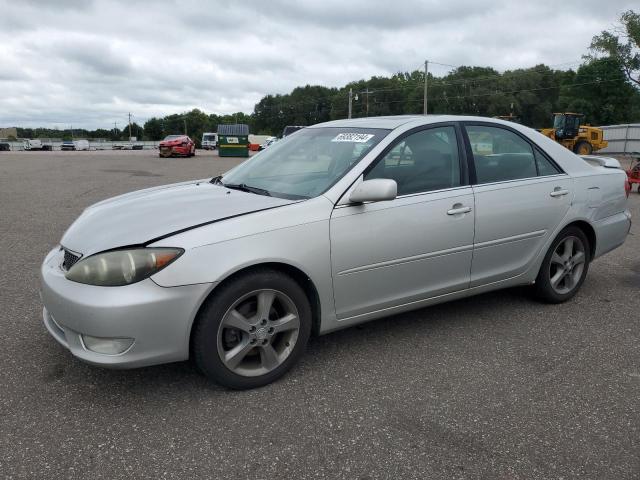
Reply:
x=252 y=331
x=583 y=148
x=564 y=267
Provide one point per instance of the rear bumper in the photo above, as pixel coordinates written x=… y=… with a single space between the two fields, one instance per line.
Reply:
x=611 y=232
x=159 y=319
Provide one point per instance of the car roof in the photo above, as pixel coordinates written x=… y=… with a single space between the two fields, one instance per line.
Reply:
x=393 y=122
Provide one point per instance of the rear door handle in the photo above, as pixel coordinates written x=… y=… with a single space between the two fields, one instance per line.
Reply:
x=458 y=209
x=559 y=192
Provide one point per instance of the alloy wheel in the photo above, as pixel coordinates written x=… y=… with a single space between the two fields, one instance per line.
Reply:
x=567 y=265
x=258 y=332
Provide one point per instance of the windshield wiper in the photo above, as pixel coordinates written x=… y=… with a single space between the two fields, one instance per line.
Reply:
x=247 y=188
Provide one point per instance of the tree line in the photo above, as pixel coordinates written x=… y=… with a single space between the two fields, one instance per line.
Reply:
x=604 y=87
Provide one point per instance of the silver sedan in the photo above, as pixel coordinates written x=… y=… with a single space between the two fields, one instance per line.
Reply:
x=337 y=224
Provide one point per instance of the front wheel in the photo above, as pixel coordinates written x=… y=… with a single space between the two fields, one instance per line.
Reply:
x=564 y=267
x=253 y=330
x=583 y=148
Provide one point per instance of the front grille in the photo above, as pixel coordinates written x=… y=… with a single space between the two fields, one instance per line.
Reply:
x=70 y=259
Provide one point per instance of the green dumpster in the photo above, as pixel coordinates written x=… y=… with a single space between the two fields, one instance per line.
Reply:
x=233 y=140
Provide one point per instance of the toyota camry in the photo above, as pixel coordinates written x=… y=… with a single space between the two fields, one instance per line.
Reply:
x=341 y=223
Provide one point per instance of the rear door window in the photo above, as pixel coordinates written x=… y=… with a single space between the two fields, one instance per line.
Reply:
x=500 y=155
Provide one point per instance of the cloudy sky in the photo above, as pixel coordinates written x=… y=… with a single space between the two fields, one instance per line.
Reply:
x=88 y=63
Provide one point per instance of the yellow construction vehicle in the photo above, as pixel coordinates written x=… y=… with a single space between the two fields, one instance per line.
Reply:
x=569 y=131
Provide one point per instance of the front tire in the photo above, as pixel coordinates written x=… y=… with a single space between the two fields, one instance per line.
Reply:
x=564 y=267
x=252 y=330
x=583 y=148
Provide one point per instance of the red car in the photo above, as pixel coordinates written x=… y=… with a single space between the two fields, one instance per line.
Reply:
x=174 y=145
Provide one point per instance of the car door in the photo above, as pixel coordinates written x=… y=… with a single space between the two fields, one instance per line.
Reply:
x=521 y=196
x=419 y=245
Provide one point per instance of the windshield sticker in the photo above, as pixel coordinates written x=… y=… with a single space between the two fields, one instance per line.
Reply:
x=353 y=137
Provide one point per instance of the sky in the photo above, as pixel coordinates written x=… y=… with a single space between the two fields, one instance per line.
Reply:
x=88 y=63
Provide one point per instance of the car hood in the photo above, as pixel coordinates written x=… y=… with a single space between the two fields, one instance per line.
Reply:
x=138 y=217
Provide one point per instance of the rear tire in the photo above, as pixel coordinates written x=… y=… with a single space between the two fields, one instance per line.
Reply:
x=252 y=330
x=565 y=266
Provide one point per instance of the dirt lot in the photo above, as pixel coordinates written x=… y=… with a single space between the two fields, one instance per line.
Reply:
x=495 y=386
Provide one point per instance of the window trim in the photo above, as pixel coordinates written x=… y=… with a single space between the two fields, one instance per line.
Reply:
x=471 y=159
x=462 y=155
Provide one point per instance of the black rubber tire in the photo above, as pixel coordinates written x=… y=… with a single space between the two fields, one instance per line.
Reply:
x=576 y=149
x=542 y=288
x=205 y=329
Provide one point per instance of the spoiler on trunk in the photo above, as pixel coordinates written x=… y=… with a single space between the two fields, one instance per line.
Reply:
x=606 y=162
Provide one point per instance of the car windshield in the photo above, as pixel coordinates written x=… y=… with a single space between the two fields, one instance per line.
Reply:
x=173 y=137
x=208 y=138
x=306 y=164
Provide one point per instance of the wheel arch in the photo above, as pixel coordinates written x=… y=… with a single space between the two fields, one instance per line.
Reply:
x=294 y=272
x=589 y=231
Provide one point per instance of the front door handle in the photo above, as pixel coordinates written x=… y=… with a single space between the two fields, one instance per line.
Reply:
x=457 y=209
x=559 y=192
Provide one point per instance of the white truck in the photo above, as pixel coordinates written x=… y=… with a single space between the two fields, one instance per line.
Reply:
x=209 y=141
x=36 y=144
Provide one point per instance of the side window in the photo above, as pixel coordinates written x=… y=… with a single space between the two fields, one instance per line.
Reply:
x=424 y=161
x=545 y=167
x=500 y=154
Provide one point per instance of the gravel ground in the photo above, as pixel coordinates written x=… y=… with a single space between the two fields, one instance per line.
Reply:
x=496 y=386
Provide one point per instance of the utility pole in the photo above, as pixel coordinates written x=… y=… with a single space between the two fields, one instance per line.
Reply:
x=367 y=93
x=71 y=127
x=350 y=101
x=426 y=85
x=129 y=126
x=185 y=125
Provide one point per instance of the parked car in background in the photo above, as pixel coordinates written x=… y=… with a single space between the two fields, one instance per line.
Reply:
x=5 y=146
x=270 y=141
x=174 y=145
x=127 y=146
x=82 y=144
x=289 y=129
x=346 y=221
x=68 y=145
x=75 y=145
x=209 y=141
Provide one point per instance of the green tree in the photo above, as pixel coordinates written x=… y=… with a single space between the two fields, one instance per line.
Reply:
x=600 y=90
x=626 y=50
x=153 y=129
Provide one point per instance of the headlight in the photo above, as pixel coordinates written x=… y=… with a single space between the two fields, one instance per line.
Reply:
x=122 y=267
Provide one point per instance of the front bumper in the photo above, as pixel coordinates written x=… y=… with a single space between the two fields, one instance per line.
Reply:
x=159 y=319
x=175 y=150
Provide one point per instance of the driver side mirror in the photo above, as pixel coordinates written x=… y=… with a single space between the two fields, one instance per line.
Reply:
x=376 y=190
